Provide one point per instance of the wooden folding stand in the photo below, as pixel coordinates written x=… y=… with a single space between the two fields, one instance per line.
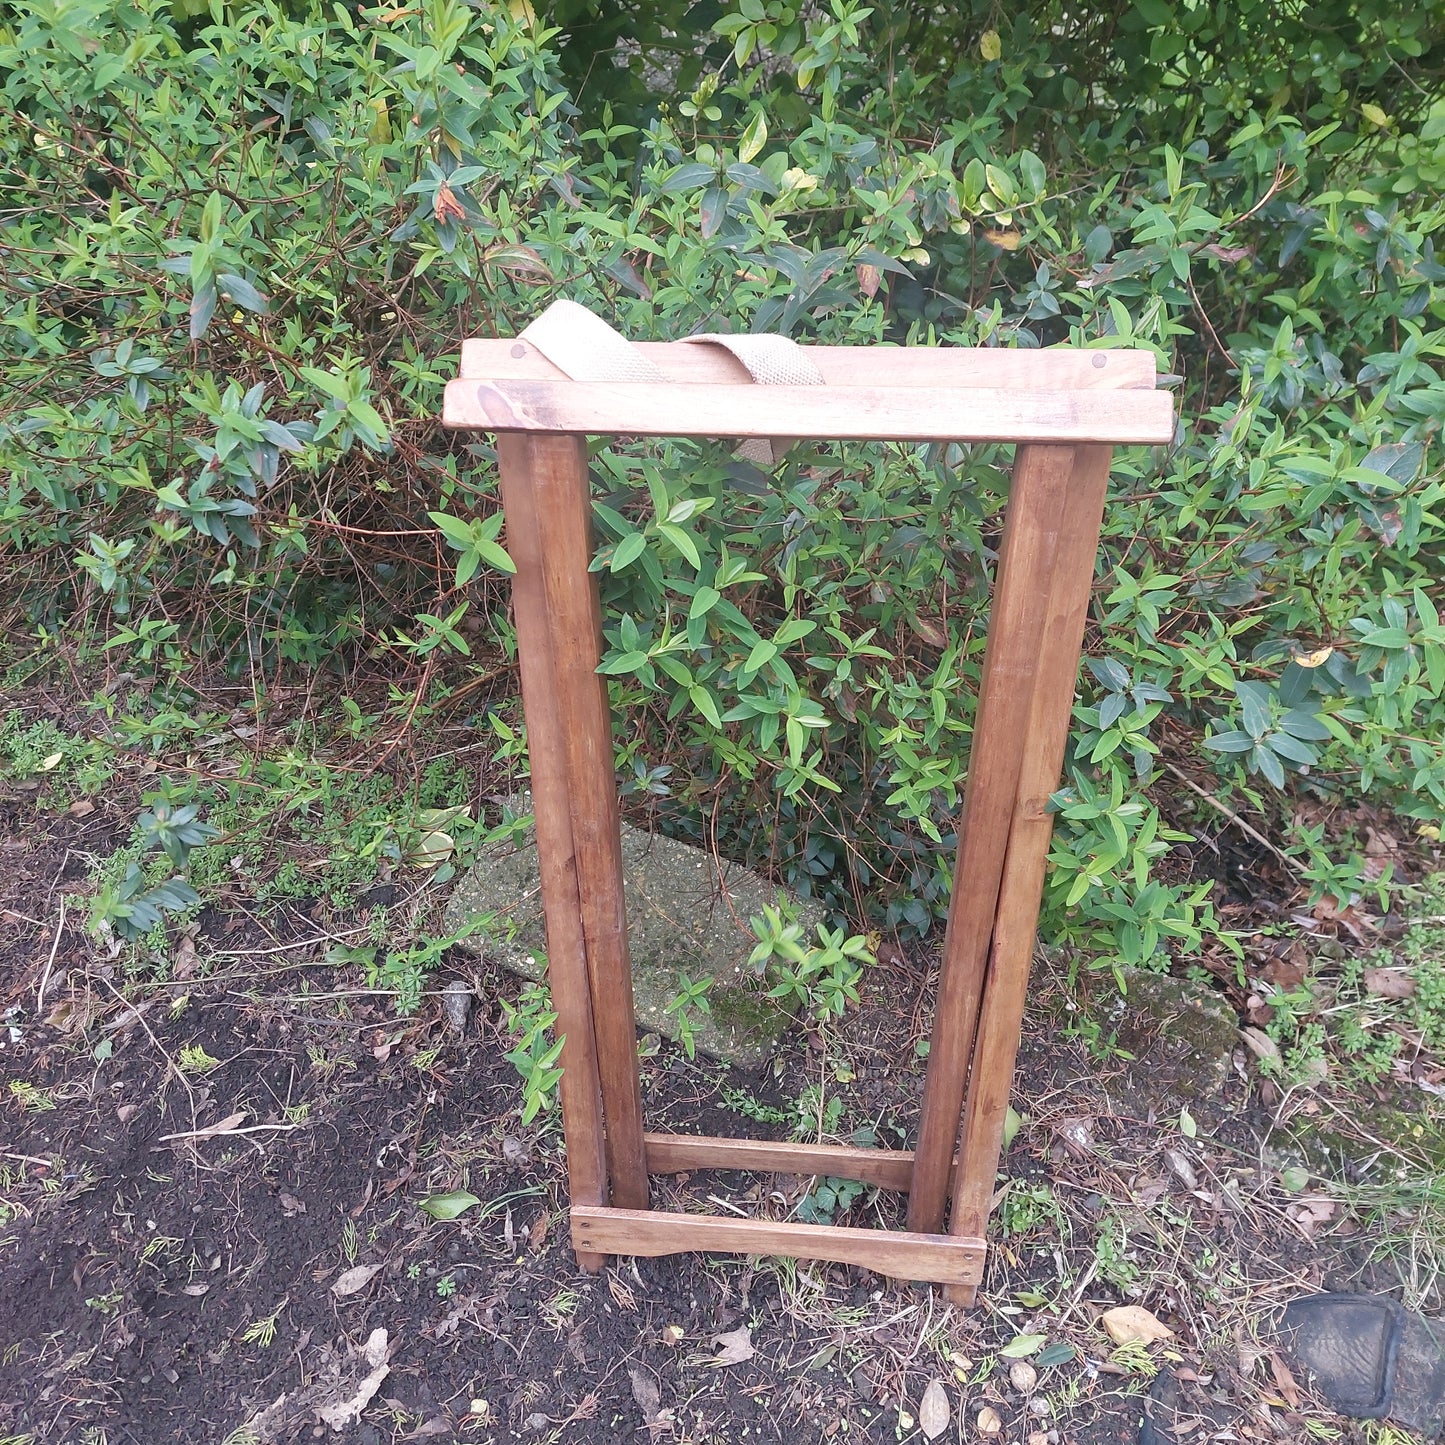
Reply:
x=1065 y=409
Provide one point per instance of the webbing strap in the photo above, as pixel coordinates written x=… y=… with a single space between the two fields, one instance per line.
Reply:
x=581 y=344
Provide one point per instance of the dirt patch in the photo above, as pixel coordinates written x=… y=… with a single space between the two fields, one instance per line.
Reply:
x=190 y=1168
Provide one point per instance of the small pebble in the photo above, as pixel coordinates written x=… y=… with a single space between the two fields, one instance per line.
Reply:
x=1023 y=1377
x=457 y=1000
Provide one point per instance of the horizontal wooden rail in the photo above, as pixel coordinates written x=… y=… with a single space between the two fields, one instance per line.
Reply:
x=939 y=1258
x=1054 y=367
x=854 y=412
x=674 y=1153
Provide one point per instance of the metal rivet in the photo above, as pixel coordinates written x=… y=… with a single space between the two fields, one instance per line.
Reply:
x=1099 y=359
x=519 y=351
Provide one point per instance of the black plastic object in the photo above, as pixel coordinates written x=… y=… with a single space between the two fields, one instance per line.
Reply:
x=1419 y=1402
x=1350 y=1344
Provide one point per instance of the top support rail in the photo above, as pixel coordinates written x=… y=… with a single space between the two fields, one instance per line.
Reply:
x=860 y=413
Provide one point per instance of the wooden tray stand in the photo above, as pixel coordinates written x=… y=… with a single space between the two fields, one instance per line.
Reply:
x=1065 y=409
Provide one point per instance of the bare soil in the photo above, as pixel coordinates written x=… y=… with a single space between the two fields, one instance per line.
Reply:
x=188 y=1167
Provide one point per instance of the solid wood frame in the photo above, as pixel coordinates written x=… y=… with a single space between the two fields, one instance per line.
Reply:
x=1065 y=408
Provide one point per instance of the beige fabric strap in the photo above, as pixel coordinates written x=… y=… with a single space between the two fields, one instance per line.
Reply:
x=771 y=361
x=581 y=344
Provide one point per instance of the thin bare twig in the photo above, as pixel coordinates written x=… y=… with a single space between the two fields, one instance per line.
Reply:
x=170 y=1062
x=1238 y=822
x=50 y=962
x=214 y=1133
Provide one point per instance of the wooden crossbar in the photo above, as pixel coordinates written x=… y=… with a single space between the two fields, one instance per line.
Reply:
x=1057 y=368
x=856 y=413
x=677 y=1153
x=1065 y=409
x=940 y=1258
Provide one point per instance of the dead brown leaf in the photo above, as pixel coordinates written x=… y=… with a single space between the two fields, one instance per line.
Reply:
x=344 y=1410
x=225 y=1126
x=934 y=1411
x=1260 y=1044
x=445 y=206
x=354 y=1280
x=1309 y=1212
x=647 y=1395
x=1288 y=970
x=1076 y=1135
x=183 y=960
x=1350 y=918
x=1130 y=1324
x=734 y=1347
x=1284 y=1381
x=438 y=1425
x=1389 y=983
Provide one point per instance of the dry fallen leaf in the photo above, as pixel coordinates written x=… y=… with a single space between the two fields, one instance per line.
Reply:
x=347 y=1412
x=988 y=1421
x=1389 y=983
x=1309 y=1212
x=353 y=1281
x=1284 y=1380
x=1076 y=1135
x=1129 y=1324
x=647 y=1395
x=183 y=961
x=1181 y=1168
x=1260 y=1044
x=934 y=1411
x=437 y=1425
x=733 y=1348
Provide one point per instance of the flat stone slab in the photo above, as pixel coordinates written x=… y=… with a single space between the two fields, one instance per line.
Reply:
x=685 y=914
x=1182 y=1036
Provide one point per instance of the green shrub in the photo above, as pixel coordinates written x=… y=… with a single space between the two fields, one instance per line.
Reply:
x=240 y=253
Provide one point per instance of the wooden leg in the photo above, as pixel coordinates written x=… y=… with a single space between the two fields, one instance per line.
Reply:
x=1016 y=924
x=559 y=507
x=580 y=1091
x=1041 y=479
